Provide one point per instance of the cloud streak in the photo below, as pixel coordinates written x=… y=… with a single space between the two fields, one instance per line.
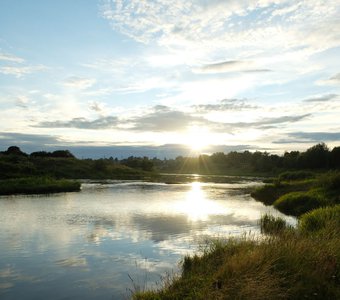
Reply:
x=165 y=119
x=309 y=137
x=226 y=105
x=323 y=98
x=10 y=58
x=20 y=71
x=230 y=66
x=79 y=82
x=82 y=123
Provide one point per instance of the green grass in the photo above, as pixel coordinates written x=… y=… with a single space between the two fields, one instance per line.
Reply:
x=296 y=196
x=292 y=265
x=300 y=263
x=298 y=203
x=296 y=175
x=37 y=185
x=272 y=225
x=319 y=219
x=269 y=193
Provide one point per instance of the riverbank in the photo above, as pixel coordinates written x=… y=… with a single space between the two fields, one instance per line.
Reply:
x=37 y=185
x=295 y=193
x=288 y=263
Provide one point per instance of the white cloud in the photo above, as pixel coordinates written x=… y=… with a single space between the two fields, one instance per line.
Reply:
x=11 y=58
x=217 y=27
x=20 y=71
x=79 y=82
x=333 y=80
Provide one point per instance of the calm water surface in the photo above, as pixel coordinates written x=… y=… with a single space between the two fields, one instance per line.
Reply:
x=88 y=245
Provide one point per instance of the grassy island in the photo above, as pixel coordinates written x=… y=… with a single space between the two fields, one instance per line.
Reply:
x=37 y=185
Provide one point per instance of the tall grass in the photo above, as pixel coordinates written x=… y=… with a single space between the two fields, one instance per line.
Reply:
x=319 y=219
x=292 y=265
x=272 y=225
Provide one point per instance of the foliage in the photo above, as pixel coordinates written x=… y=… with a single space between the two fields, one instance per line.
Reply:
x=292 y=265
x=319 y=219
x=330 y=181
x=63 y=164
x=297 y=203
x=269 y=193
x=272 y=225
x=37 y=185
x=296 y=175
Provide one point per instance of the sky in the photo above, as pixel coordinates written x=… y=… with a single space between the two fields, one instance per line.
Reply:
x=163 y=78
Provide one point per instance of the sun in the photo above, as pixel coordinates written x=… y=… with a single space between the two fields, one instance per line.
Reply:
x=197 y=138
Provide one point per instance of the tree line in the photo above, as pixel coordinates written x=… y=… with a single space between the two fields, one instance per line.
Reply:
x=62 y=163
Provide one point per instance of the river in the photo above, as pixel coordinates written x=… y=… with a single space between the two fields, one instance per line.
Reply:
x=114 y=237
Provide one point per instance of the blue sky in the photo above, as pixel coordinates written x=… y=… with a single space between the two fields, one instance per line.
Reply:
x=139 y=75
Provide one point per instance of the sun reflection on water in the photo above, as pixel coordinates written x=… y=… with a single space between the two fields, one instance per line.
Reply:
x=196 y=205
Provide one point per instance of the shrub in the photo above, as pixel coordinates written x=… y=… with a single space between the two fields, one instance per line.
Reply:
x=272 y=225
x=319 y=219
x=266 y=194
x=37 y=185
x=296 y=175
x=290 y=266
x=298 y=203
x=330 y=181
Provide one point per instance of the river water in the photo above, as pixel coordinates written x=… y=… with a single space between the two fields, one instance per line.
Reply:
x=114 y=237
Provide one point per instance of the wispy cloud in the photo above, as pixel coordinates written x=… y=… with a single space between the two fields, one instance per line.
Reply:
x=15 y=138
x=81 y=123
x=232 y=24
x=226 y=105
x=322 y=98
x=230 y=66
x=333 y=80
x=166 y=119
x=10 y=58
x=309 y=137
x=20 y=71
x=79 y=82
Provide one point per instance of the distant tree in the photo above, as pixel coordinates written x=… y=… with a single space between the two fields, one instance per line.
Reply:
x=316 y=157
x=335 y=158
x=62 y=153
x=14 y=150
x=41 y=154
x=291 y=160
x=100 y=165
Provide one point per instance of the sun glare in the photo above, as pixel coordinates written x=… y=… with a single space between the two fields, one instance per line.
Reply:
x=197 y=138
x=196 y=206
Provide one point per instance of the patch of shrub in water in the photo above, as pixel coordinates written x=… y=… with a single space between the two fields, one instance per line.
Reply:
x=298 y=203
x=272 y=225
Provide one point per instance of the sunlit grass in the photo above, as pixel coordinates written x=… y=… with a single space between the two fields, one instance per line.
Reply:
x=292 y=265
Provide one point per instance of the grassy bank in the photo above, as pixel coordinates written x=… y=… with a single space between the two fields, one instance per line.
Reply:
x=37 y=185
x=288 y=263
x=301 y=263
x=295 y=193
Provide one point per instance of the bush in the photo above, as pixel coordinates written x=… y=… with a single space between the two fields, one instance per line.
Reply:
x=298 y=203
x=272 y=225
x=266 y=194
x=330 y=181
x=296 y=175
x=319 y=219
x=290 y=266
x=37 y=185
